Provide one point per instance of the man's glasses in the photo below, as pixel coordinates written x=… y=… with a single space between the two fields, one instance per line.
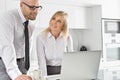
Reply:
x=33 y=7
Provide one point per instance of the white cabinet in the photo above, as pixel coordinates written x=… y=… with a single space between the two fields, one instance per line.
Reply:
x=79 y=17
x=76 y=15
x=117 y=38
x=111 y=38
x=110 y=34
x=111 y=31
x=111 y=41
x=111 y=9
x=74 y=2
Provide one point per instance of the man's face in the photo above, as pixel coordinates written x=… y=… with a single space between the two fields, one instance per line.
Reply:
x=30 y=9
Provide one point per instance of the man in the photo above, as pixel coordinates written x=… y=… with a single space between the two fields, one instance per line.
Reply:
x=13 y=40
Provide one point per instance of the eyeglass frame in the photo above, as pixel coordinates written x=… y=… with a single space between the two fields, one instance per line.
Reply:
x=32 y=7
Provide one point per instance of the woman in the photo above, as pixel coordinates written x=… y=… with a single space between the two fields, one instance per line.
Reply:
x=52 y=43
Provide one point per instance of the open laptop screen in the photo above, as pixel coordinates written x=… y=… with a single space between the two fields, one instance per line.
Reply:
x=80 y=65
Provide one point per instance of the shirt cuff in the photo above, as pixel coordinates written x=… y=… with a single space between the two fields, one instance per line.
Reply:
x=14 y=73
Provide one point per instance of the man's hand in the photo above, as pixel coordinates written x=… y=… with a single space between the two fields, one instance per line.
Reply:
x=23 y=77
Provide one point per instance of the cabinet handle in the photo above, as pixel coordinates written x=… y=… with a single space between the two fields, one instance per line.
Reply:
x=113 y=35
x=113 y=41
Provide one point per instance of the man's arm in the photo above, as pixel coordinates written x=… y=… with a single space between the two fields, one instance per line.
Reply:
x=8 y=51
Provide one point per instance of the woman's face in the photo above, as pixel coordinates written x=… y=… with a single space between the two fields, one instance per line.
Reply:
x=56 y=24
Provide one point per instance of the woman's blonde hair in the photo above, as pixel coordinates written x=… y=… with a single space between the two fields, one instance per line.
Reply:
x=65 y=25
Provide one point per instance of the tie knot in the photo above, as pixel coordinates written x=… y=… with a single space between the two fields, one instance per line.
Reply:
x=26 y=23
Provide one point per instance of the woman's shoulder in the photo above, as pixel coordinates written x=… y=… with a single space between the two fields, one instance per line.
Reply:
x=41 y=35
x=69 y=36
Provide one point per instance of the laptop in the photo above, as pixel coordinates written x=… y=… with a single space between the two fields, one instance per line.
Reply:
x=82 y=65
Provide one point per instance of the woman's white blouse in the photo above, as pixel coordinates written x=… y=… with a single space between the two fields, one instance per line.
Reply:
x=50 y=50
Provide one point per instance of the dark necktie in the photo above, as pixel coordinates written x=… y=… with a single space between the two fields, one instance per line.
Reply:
x=27 y=62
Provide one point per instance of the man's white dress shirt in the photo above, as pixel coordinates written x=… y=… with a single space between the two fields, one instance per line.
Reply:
x=50 y=50
x=12 y=40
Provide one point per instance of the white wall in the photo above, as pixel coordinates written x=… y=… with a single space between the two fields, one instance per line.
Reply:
x=12 y=4
x=76 y=15
x=93 y=36
x=77 y=36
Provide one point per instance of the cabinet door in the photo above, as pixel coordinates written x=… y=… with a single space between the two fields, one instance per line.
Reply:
x=76 y=15
x=117 y=38
x=111 y=9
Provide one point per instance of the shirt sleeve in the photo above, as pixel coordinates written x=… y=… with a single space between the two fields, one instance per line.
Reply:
x=8 y=51
x=9 y=59
x=33 y=54
x=41 y=55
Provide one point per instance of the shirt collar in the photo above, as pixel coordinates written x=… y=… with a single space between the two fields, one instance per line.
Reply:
x=21 y=15
x=50 y=35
